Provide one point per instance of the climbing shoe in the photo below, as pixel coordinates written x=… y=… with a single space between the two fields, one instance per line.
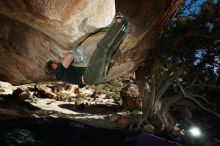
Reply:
x=124 y=20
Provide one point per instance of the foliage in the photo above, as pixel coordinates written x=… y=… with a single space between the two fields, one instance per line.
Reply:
x=192 y=41
x=185 y=63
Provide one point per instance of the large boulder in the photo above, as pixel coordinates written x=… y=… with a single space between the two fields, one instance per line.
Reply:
x=65 y=21
x=31 y=32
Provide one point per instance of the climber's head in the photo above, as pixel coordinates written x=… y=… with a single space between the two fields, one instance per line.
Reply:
x=50 y=67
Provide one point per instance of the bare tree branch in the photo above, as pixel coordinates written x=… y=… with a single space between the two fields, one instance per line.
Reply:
x=197 y=102
x=211 y=86
x=167 y=82
x=201 y=97
x=170 y=100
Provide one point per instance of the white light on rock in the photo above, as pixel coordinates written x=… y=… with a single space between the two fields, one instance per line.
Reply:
x=194 y=131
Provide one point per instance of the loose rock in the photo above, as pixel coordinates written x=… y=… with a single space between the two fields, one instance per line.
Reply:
x=149 y=128
x=114 y=117
x=130 y=97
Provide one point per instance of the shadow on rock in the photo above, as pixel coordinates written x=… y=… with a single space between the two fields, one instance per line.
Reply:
x=98 y=109
x=59 y=132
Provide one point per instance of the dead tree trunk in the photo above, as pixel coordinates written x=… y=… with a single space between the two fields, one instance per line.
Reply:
x=154 y=81
x=153 y=85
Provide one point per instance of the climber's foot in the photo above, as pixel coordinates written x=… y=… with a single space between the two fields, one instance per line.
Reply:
x=119 y=18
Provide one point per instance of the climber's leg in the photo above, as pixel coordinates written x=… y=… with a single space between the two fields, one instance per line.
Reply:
x=96 y=70
x=111 y=51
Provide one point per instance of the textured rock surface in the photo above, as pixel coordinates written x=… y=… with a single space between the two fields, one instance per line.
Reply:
x=23 y=52
x=65 y=21
x=130 y=97
x=6 y=88
x=147 y=19
x=31 y=32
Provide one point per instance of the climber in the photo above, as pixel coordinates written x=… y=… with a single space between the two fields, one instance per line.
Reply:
x=97 y=68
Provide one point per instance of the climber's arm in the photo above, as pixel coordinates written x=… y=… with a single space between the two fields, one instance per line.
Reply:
x=67 y=61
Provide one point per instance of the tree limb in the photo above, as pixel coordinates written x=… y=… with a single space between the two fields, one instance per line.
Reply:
x=204 y=86
x=201 y=97
x=197 y=102
x=170 y=77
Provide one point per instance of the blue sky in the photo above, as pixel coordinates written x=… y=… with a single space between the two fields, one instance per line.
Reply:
x=201 y=52
x=195 y=7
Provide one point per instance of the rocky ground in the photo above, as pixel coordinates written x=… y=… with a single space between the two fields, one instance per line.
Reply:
x=96 y=105
x=113 y=105
x=31 y=112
